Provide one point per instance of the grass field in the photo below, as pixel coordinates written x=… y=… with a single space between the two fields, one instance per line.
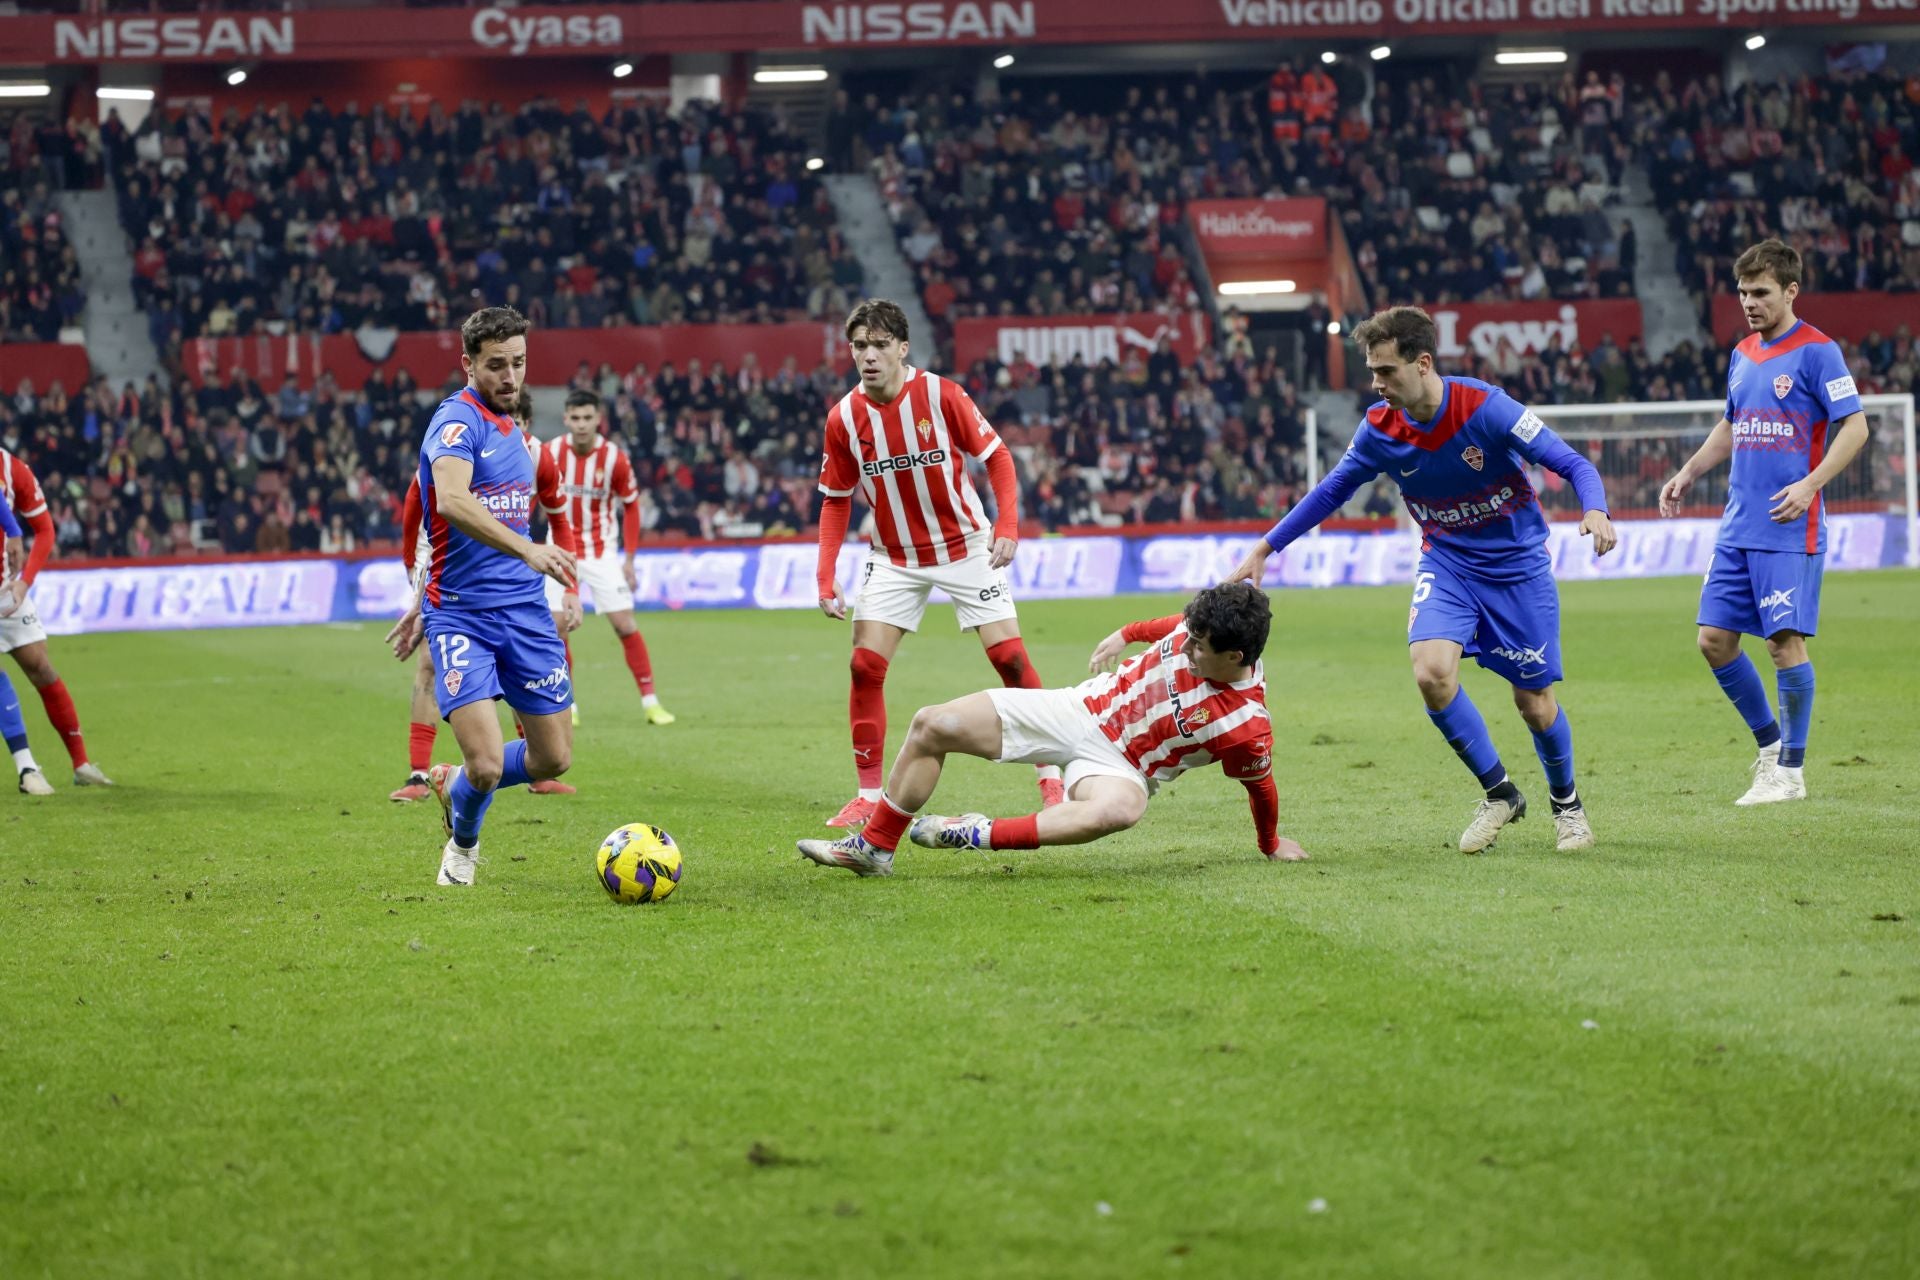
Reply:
x=242 y=1034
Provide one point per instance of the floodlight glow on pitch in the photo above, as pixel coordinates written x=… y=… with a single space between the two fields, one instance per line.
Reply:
x=1247 y=288
x=790 y=75
x=123 y=95
x=1380 y=52
x=237 y=76
x=1756 y=42
x=37 y=90
x=621 y=70
x=1002 y=62
x=1530 y=57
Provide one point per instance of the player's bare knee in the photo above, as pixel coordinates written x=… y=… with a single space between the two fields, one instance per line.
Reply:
x=932 y=726
x=1718 y=647
x=1538 y=707
x=550 y=763
x=483 y=774
x=1437 y=681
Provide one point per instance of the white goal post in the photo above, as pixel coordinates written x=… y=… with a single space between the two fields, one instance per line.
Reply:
x=1640 y=445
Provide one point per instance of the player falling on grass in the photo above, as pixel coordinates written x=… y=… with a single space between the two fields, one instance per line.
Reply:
x=423 y=714
x=1787 y=384
x=901 y=439
x=1458 y=447
x=21 y=631
x=13 y=726
x=596 y=478
x=1197 y=695
x=483 y=609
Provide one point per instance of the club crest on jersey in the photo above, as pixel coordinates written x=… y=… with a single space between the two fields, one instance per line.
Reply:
x=1782 y=385
x=1472 y=456
x=452 y=432
x=1188 y=721
x=925 y=427
x=453 y=681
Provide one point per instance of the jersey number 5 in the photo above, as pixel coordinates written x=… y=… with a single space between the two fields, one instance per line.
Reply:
x=1422 y=586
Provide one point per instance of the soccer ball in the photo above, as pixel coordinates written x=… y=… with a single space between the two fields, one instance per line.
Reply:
x=638 y=863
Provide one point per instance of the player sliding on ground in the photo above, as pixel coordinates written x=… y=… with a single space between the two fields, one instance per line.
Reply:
x=901 y=439
x=1785 y=383
x=1484 y=585
x=483 y=609
x=1197 y=695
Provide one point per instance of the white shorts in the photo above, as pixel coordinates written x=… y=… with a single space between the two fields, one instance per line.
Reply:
x=1053 y=726
x=897 y=595
x=603 y=584
x=21 y=627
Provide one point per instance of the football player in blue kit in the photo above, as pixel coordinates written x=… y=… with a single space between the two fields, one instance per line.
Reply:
x=1458 y=448
x=1788 y=388
x=483 y=608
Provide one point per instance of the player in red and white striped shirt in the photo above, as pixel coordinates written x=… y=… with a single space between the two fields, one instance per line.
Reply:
x=1197 y=696
x=596 y=483
x=901 y=439
x=21 y=632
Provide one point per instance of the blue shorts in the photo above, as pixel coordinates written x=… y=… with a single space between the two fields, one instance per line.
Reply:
x=1762 y=592
x=1510 y=628
x=513 y=653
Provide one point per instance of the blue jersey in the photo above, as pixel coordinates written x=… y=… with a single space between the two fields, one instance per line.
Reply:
x=1463 y=478
x=463 y=573
x=1781 y=397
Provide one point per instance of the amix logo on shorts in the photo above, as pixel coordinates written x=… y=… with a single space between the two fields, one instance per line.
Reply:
x=904 y=462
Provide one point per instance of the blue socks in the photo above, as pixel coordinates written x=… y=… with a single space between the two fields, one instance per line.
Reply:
x=470 y=804
x=13 y=726
x=1796 y=713
x=1554 y=746
x=1466 y=732
x=1741 y=683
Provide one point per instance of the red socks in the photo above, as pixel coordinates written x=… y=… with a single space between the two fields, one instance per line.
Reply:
x=637 y=662
x=1015 y=833
x=1009 y=658
x=420 y=747
x=886 y=826
x=65 y=720
x=867 y=713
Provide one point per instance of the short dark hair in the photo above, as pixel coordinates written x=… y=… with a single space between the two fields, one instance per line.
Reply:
x=582 y=398
x=523 y=408
x=1409 y=329
x=1234 y=615
x=491 y=324
x=1769 y=257
x=879 y=316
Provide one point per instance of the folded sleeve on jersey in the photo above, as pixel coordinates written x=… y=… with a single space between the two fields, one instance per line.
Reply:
x=835 y=513
x=1151 y=630
x=839 y=471
x=456 y=432
x=410 y=524
x=1836 y=387
x=43 y=539
x=1327 y=497
x=1006 y=494
x=968 y=426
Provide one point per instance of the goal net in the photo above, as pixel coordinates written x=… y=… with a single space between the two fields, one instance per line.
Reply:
x=1873 y=520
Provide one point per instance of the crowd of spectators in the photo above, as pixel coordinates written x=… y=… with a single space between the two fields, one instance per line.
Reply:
x=1825 y=163
x=322 y=222
x=40 y=287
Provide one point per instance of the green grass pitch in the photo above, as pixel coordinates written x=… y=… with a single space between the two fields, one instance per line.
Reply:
x=242 y=1034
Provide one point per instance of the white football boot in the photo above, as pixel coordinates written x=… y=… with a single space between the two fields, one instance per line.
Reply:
x=1773 y=782
x=968 y=831
x=89 y=775
x=1571 y=830
x=458 y=866
x=852 y=853
x=1488 y=819
x=34 y=783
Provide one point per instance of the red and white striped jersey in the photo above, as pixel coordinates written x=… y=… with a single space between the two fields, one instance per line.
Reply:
x=908 y=460
x=594 y=486
x=1166 y=719
x=18 y=482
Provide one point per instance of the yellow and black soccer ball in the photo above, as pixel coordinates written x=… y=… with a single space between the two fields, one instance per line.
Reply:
x=638 y=863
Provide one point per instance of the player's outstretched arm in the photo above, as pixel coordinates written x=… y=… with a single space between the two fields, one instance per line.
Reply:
x=1106 y=654
x=1327 y=497
x=1006 y=505
x=1716 y=449
x=1793 y=502
x=1252 y=767
x=1537 y=443
x=454 y=500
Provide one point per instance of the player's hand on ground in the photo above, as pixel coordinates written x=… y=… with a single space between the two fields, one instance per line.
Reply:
x=570 y=614
x=834 y=606
x=1600 y=525
x=1002 y=553
x=1794 y=501
x=626 y=571
x=1254 y=566
x=1106 y=654
x=1673 y=491
x=1287 y=852
x=407 y=633
x=544 y=557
